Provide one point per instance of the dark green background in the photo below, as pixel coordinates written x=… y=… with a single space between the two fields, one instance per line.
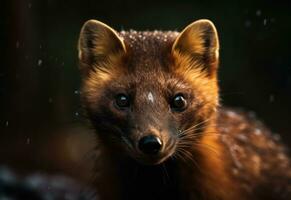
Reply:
x=39 y=77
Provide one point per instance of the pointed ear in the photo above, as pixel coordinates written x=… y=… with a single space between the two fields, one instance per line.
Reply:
x=199 y=42
x=97 y=43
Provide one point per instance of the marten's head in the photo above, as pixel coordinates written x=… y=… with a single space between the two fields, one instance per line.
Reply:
x=149 y=93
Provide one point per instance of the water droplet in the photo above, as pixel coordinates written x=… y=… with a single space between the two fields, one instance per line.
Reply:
x=17 y=44
x=7 y=124
x=76 y=114
x=257 y=132
x=248 y=23
x=258 y=13
x=231 y=114
x=242 y=138
x=29 y=5
x=39 y=62
x=281 y=156
x=28 y=141
x=76 y=92
x=277 y=137
x=265 y=22
x=271 y=98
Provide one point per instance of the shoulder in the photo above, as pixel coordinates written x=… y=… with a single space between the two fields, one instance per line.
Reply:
x=258 y=157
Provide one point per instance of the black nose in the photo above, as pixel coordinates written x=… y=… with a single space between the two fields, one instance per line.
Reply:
x=150 y=145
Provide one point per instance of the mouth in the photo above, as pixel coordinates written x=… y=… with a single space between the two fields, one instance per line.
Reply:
x=157 y=159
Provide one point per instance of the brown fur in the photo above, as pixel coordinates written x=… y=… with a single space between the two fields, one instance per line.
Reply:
x=209 y=153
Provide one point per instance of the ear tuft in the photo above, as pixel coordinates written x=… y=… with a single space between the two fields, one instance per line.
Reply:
x=199 y=40
x=97 y=42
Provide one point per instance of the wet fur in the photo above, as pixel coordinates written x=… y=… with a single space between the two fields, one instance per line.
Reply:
x=222 y=154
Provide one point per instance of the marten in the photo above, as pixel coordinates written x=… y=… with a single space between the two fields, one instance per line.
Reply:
x=152 y=98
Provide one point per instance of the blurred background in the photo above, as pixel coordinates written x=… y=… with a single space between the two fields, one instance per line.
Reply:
x=41 y=123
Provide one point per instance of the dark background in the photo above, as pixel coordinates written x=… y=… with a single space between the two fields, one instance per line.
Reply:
x=41 y=125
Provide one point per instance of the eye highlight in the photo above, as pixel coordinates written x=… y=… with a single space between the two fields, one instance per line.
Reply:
x=122 y=101
x=178 y=103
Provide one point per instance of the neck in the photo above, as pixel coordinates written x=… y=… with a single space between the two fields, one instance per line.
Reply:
x=200 y=179
x=149 y=182
x=209 y=177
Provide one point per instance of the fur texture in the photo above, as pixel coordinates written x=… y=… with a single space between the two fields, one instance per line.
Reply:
x=208 y=152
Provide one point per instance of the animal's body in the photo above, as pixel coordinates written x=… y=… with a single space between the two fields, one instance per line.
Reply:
x=153 y=100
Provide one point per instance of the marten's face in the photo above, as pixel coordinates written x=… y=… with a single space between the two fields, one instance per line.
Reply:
x=146 y=93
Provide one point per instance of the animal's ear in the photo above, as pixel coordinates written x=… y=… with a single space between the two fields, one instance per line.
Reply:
x=199 y=42
x=98 y=43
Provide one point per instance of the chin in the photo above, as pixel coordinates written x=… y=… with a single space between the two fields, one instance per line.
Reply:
x=154 y=160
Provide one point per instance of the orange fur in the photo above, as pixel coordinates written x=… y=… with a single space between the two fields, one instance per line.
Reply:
x=209 y=153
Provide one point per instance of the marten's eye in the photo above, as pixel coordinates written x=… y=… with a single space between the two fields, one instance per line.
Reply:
x=178 y=103
x=122 y=101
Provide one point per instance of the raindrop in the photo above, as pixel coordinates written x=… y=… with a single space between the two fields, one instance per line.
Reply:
x=28 y=141
x=277 y=137
x=50 y=100
x=242 y=138
x=39 y=62
x=76 y=92
x=17 y=44
x=7 y=123
x=29 y=5
x=265 y=22
x=248 y=23
x=76 y=114
x=257 y=131
x=271 y=98
x=258 y=13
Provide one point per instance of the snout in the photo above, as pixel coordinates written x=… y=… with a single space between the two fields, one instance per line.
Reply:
x=153 y=149
x=150 y=145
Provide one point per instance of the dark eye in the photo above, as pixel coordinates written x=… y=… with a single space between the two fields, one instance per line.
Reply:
x=178 y=103
x=122 y=101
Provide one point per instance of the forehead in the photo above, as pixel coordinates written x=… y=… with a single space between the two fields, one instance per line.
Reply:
x=148 y=50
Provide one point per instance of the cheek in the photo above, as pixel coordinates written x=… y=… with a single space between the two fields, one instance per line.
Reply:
x=105 y=117
x=188 y=119
x=195 y=117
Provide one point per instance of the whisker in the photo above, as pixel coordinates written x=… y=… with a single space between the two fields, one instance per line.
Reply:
x=190 y=158
x=212 y=149
x=167 y=177
x=196 y=125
